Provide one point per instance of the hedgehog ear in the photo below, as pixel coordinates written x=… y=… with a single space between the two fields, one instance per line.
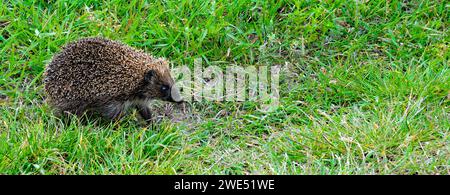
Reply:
x=148 y=76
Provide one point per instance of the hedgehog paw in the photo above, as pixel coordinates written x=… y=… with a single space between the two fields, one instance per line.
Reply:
x=145 y=112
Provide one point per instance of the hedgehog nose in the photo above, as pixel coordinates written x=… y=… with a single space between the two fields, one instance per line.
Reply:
x=175 y=95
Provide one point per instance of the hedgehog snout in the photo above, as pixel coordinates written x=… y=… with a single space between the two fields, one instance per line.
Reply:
x=175 y=95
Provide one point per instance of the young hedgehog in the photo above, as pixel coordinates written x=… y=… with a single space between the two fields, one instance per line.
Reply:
x=100 y=75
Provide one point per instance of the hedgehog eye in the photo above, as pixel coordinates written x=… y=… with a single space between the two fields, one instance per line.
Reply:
x=164 y=88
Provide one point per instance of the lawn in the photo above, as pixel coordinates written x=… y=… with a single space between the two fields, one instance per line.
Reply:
x=365 y=88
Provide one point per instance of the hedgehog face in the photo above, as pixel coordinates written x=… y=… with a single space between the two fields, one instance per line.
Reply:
x=158 y=84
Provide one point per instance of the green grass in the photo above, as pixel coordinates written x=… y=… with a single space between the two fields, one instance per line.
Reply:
x=367 y=89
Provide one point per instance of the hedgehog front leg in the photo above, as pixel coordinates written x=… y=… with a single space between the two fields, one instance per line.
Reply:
x=112 y=110
x=145 y=112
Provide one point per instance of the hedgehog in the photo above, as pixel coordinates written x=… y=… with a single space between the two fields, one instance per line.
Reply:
x=98 y=75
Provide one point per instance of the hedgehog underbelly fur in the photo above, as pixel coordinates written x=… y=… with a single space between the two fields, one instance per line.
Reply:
x=106 y=76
